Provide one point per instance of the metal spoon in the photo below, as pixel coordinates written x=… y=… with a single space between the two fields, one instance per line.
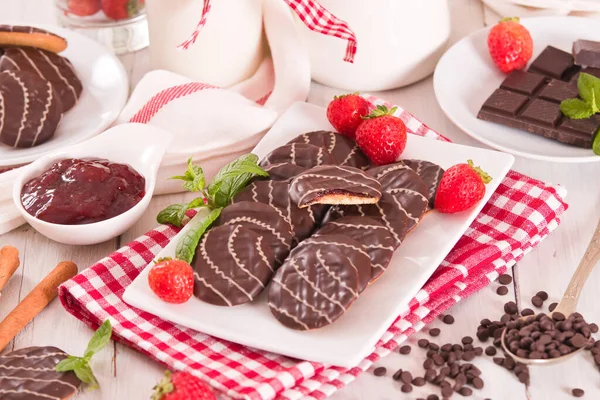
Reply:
x=568 y=304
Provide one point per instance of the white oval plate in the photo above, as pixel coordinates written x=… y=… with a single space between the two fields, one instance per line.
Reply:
x=105 y=90
x=466 y=76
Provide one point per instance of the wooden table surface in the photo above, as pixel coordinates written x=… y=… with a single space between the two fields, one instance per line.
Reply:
x=126 y=374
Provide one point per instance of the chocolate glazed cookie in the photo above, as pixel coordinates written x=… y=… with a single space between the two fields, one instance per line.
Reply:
x=30 y=109
x=30 y=373
x=289 y=160
x=275 y=193
x=232 y=266
x=357 y=256
x=314 y=287
x=263 y=219
x=407 y=188
x=343 y=149
x=334 y=184
x=430 y=173
x=374 y=237
x=47 y=65
x=389 y=211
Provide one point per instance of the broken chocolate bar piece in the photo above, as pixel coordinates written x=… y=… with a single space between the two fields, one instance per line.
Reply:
x=530 y=101
x=586 y=53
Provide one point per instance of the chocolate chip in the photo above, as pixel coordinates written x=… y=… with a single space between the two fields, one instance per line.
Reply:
x=430 y=375
x=505 y=279
x=380 y=371
x=397 y=375
x=428 y=364
x=502 y=290
x=557 y=316
x=448 y=319
x=446 y=347
x=405 y=350
x=406 y=388
x=552 y=306
x=433 y=346
x=418 y=381
x=490 y=351
x=594 y=328
x=406 y=377
x=577 y=392
x=527 y=311
x=511 y=308
x=437 y=360
x=477 y=383
x=433 y=397
x=434 y=332
x=478 y=351
x=468 y=355
x=447 y=391
x=537 y=301
x=578 y=340
x=523 y=378
x=542 y=295
x=467 y=340
x=423 y=343
x=498 y=360
x=465 y=391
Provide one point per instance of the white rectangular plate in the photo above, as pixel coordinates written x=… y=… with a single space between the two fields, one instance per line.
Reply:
x=352 y=337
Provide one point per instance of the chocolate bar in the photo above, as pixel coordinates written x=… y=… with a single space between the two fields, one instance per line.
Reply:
x=586 y=53
x=530 y=101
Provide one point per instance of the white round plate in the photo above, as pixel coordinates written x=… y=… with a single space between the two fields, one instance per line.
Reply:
x=105 y=90
x=466 y=76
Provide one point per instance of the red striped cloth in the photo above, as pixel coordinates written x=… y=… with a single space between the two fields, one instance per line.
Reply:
x=521 y=213
x=311 y=13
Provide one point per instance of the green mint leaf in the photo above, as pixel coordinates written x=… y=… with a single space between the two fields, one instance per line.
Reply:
x=84 y=373
x=68 y=364
x=194 y=180
x=173 y=214
x=197 y=202
x=589 y=90
x=596 y=144
x=234 y=177
x=99 y=340
x=576 y=109
x=186 y=247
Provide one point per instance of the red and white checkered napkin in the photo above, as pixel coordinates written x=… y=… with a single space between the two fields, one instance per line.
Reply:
x=518 y=216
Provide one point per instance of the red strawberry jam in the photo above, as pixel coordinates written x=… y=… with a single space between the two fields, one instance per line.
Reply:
x=75 y=192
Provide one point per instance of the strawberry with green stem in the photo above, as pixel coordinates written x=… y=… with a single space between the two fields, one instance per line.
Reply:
x=510 y=45
x=81 y=365
x=382 y=136
x=345 y=113
x=181 y=386
x=461 y=187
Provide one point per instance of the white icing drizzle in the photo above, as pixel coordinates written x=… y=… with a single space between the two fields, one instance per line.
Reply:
x=300 y=300
x=20 y=391
x=293 y=263
x=255 y=193
x=349 y=156
x=24 y=378
x=2 y=112
x=238 y=262
x=377 y=246
x=262 y=254
x=29 y=356
x=258 y=223
x=5 y=57
x=358 y=226
x=391 y=168
x=333 y=274
x=386 y=222
x=217 y=270
x=409 y=215
x=211 y=287
x=60 y=75
x=49 y=99
x=333 y=142
x=293 y=153
x=25 y=105
x=30 y=61
x=406 y=190
x=335 y=244
x=27 y=368
x=287 y=314
x=320 y=156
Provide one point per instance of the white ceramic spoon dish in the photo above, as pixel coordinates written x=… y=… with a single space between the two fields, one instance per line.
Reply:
x=140 y=146
x=466 y=76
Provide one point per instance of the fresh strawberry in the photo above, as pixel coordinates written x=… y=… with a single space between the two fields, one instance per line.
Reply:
x=345 y=113
x=382 y=136
x=172 y=280
x=121 y=9
x=510 y=45
x=461 y=187
x=182 y=386
x=83 y=8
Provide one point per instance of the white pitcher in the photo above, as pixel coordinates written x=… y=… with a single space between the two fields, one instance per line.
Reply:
x=228 y=49
x=399 y=42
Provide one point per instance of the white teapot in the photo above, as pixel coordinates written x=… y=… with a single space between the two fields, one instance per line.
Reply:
x=399 y=42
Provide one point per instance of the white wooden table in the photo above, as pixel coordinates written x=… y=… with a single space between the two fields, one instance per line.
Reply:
x=126 y=374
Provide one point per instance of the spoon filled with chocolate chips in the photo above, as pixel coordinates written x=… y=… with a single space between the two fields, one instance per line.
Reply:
x=549 y=338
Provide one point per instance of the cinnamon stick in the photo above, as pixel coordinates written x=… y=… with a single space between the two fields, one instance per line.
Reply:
x=9 y=262
x=35 y=301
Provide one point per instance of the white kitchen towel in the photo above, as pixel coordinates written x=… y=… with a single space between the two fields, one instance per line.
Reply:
x=211 y=125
